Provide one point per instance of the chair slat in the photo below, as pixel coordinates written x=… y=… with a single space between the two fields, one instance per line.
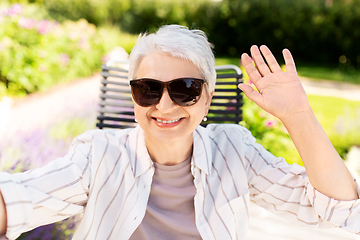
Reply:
x=221 y=90
x=228 y=75
x=106 y=74
x=107 y=89
x=116 y=104
x=223 y=119
x=225 y=111
x=227 y=104
x=106 y=125
x=123 y=83
x=226 y=83
x=124 y=112
x=115 y=119
x=121 y=97
x=239 y=97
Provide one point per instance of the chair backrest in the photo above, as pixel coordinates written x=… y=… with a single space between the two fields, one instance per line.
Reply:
x=226 y=104
x=116 y=108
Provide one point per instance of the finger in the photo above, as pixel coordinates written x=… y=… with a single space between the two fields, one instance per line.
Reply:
x=250 y=92
x=289 y=61
x=259 y=61
x=270 y=59
x=250 y=69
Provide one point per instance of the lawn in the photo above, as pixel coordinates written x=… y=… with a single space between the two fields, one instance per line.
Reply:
x=340 y=120
x=336 y=73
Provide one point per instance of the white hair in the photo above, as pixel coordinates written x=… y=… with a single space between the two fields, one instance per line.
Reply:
x=178 y=41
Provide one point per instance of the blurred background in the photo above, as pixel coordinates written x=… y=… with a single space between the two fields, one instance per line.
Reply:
x=51 y=53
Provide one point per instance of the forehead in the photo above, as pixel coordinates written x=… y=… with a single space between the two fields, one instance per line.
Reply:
x=165 y=67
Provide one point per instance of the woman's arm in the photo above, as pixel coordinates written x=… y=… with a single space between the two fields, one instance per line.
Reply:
x=3 y=217
x=282 y=95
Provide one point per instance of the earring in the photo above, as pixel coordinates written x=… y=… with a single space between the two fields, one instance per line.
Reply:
x=135 y=120
x=205 y=119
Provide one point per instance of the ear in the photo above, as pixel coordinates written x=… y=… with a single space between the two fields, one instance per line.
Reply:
x=208 y=102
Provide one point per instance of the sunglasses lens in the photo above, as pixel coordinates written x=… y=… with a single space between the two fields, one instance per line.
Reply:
x=186 y=91
x=146 y=92
x=183 y=91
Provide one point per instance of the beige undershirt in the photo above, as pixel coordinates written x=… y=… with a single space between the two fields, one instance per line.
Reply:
x=170 y=211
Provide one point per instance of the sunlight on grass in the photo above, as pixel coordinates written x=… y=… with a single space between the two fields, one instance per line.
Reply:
x=340 y=120
x=311 y=71
x=328 y=110
x=329 y=73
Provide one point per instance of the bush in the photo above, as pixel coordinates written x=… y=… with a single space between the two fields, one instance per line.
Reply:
x=36 y=53
x=269 y=132
x=315 y=30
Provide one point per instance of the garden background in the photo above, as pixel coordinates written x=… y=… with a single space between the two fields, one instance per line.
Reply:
x=47 y=44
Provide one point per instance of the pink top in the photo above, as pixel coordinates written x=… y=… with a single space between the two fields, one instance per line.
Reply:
x=170 y=211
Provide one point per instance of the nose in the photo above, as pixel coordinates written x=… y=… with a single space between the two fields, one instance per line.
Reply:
x=165 y=104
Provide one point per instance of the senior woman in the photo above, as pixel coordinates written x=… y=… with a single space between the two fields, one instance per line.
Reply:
x=170 y=178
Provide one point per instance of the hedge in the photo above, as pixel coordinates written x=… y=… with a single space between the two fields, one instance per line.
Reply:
x=36 y=52
x=323 y=31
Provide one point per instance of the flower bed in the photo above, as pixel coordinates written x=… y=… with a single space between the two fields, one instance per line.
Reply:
x=36 y=52
x=35 y=148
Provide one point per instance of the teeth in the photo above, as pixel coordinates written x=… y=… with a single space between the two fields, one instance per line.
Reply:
x=171 y=121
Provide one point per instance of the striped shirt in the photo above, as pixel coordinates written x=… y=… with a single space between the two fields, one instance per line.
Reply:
x=107 y=176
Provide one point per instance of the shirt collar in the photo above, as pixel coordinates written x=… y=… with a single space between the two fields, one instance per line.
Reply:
x=139 y=157
x=202 y=154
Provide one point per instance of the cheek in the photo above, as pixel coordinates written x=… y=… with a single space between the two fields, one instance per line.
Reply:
x=200 y=110
x=140 y=112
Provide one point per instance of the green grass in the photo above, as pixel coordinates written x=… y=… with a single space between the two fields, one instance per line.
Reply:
x=330 y=111
x=340 y=120
x=224 y=61
x=335 y=73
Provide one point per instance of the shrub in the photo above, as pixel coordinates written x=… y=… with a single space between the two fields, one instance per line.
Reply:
x=36 y=53
x=315 y=30
x=269 y=132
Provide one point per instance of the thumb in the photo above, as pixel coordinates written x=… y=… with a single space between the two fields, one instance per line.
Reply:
x=250 y=92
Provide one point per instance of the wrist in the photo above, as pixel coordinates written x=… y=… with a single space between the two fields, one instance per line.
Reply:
x=304 y=121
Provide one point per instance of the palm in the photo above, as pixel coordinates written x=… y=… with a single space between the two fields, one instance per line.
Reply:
x=279 y=93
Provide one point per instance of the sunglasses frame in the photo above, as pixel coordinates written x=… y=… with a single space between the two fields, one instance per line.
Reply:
x=166 y=85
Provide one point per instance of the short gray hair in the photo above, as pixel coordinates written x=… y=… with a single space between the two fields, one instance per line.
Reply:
x=178 y=41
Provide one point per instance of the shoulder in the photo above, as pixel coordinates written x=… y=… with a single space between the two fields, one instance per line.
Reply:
x=230 y=131
x=99 y=135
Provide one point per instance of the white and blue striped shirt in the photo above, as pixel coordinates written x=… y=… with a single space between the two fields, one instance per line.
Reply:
x=107 y=176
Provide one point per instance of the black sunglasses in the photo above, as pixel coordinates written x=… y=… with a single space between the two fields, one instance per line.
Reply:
x=183 y=91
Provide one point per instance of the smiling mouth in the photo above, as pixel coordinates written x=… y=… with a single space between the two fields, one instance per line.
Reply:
x=170 y=121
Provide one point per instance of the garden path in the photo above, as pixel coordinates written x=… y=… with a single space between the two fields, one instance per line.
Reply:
x=40 y=109
x=331 y=88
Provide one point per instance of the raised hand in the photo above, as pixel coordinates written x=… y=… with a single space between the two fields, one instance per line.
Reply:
x=279 y=93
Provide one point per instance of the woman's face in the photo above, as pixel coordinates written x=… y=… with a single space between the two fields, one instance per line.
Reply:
x=167 y=122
